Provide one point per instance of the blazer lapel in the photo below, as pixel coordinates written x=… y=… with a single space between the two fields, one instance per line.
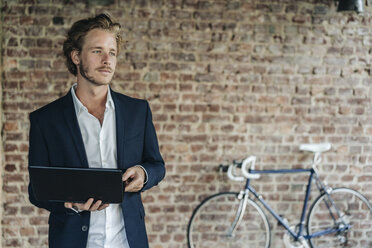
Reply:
x=120 y=125
x=72 y=123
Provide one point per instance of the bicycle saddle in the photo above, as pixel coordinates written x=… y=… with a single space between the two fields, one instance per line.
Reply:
x=322 y=147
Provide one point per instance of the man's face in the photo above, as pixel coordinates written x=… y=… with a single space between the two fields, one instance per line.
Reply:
x=97 y=60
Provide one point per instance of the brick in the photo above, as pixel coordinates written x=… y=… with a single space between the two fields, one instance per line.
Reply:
x=16 y=52
x=215 y=118
x=27 y=231
x=37 y=241
x=58 y=20
x=11 y=148
x=38 y=220
x=10 y=167
x=10 y=126
x=13 y=178
x=13 y=243
x=365 y=178
x=27 y=210
x=28 y=42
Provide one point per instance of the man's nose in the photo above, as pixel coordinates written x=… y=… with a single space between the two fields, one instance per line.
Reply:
x=106 y=59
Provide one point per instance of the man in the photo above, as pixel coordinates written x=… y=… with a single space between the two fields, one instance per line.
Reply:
x=93 y=126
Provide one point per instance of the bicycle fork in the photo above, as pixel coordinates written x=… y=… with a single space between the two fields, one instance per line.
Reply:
x=243 y=197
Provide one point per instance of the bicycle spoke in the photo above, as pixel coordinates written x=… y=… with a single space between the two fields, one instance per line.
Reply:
x=352 y=223
x=212 y=222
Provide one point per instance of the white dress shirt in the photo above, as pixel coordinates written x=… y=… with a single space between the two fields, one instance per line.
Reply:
x=106 y=228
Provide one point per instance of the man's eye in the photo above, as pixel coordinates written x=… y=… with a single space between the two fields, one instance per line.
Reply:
x=112 y=54
x=96 y=51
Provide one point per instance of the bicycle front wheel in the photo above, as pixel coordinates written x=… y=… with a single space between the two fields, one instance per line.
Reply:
x=211 y=223
x=345 y=208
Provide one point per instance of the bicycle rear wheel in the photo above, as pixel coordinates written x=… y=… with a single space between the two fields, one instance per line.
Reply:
x=356 y=212
x=211 y=220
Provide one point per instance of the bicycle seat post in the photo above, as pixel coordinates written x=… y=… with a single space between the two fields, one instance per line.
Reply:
x=317 y=149
x=316 y=160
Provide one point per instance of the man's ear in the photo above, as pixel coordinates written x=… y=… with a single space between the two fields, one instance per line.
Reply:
x=75 y=57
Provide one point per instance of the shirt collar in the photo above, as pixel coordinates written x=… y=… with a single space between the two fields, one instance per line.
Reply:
x=109 y=102
x=79 y=107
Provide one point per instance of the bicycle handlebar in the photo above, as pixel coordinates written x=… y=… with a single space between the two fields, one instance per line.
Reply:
x=247 y=164
x=232 y=174
x=251 y=160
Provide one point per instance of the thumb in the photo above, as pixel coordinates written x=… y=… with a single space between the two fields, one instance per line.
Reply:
x=127 y=175
x=68 y=204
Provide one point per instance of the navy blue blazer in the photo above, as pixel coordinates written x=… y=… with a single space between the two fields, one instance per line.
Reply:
x=55 y=140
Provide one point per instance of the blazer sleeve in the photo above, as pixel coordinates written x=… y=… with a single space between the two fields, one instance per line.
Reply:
x=38 y=156
x=152 y=160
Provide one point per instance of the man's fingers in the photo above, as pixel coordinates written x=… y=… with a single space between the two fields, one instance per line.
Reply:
x=68 y=204
x=134 y=186
x=134 y=179
x=128 y=174
x=88 y=204
x=128 y=188
x=103 y=207
x=95 y=206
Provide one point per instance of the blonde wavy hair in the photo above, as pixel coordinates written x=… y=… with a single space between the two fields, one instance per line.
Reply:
x=75 y=36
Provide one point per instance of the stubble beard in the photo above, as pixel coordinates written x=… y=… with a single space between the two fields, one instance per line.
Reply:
x=84 y=73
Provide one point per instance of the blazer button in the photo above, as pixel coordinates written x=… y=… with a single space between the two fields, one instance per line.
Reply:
x=84 y=228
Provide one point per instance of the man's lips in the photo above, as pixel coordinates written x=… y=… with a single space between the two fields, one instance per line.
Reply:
x=105 y=69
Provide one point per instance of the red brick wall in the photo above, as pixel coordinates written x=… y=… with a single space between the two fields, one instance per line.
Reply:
x=1 y=121
x=225 y=79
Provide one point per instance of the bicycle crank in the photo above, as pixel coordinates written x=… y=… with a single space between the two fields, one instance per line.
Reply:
x=290 y=243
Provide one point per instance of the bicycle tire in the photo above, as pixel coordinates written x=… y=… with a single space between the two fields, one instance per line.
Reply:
x=357 y=211
x=211 y=219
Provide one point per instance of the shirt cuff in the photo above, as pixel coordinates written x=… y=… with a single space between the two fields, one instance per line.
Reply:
x=146 y=175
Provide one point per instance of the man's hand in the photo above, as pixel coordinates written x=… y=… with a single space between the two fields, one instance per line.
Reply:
x=87 y=206
x=134 y=178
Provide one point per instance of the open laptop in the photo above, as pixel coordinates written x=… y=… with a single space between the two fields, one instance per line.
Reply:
x=63 y=184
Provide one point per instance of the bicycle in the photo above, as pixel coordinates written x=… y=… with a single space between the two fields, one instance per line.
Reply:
x=339 y=217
